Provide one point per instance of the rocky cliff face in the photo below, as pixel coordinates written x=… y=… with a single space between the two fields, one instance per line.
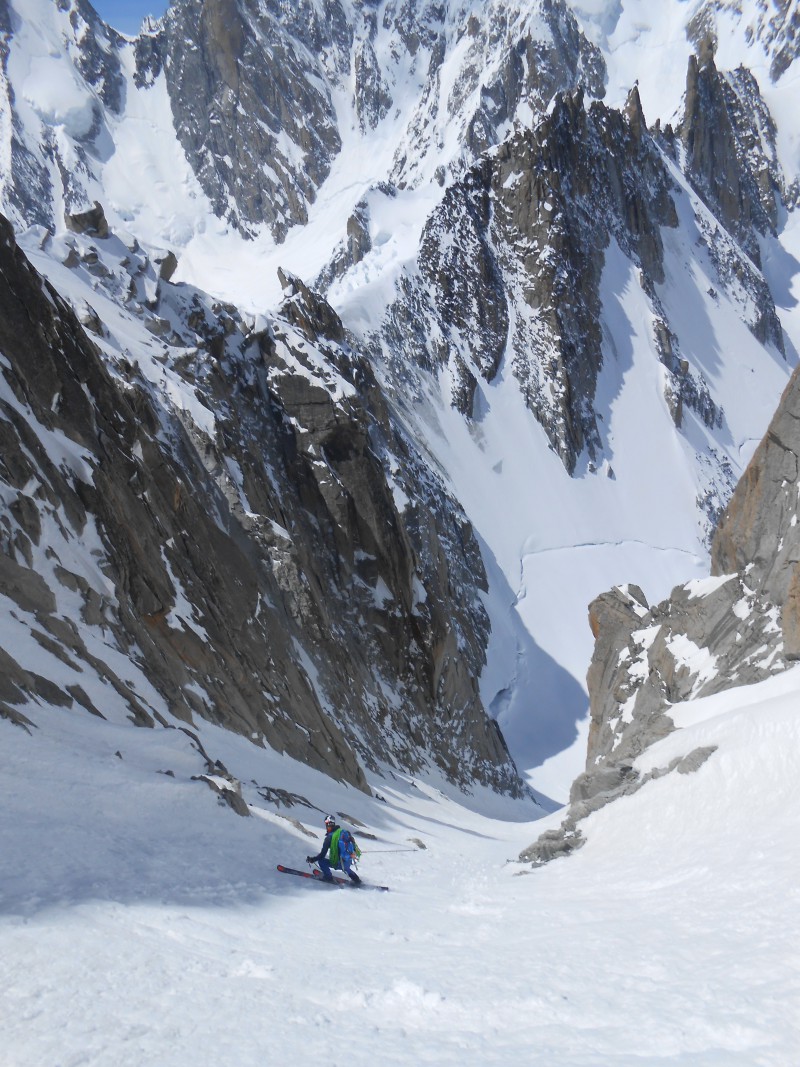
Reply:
x=253 y=553
x=251 y=102
x=739 y=626
x=729 y=139
x=510 y=266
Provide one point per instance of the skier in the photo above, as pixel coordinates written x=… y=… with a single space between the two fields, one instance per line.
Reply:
x=340 y=860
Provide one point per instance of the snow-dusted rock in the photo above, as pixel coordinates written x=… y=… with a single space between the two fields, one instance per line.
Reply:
x=510 y=266
x=252 y=553
x=737 y=627
x=92 y=221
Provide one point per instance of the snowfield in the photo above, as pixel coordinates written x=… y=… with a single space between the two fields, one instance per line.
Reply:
x=143 y=923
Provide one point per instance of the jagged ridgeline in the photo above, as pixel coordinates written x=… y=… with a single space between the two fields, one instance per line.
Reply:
x=297 y=574
x=511 y=262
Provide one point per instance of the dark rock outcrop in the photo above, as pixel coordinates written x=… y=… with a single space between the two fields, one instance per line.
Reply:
x=527 y=229
x=256 y=556
x=729 y=139
x=352 y=249
x=92 y=221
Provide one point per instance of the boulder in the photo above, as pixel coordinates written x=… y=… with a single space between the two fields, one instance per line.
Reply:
x=91 y=222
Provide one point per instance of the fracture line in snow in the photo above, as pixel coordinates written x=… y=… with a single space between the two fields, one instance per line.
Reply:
x=622 y=543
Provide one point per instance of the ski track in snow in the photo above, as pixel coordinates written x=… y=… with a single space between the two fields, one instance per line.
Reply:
x=141 y=923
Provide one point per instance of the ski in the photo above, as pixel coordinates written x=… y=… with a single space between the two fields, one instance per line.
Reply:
x=302 y=874
x=347 y=881
x=317 y=873
x=317 y=877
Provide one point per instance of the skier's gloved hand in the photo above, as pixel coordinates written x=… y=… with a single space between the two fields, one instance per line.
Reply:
x=311 y=859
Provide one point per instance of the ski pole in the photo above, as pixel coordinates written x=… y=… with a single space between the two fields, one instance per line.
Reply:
x=375 y=851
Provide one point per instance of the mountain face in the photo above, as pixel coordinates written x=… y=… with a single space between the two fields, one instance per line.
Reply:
x=313 y=519
x=510 y=265
x=737 y=627
x=256 y=559
x=729 y=139
x=262 y=95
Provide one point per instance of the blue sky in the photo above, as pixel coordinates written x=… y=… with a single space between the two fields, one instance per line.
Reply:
x=126 y=15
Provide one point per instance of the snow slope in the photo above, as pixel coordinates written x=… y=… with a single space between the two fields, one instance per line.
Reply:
x=142 y=924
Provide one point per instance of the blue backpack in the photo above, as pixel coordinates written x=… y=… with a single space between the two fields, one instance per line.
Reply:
x=349 y=851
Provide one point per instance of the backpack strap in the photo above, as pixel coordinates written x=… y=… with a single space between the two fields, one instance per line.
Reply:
x=333 y=852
